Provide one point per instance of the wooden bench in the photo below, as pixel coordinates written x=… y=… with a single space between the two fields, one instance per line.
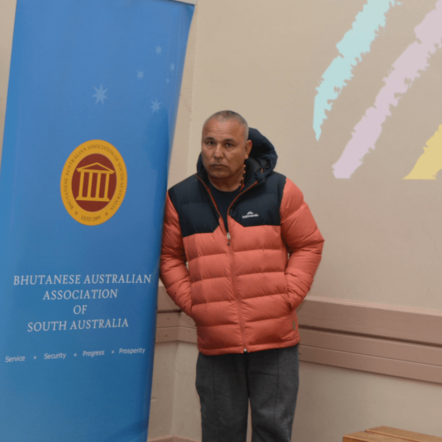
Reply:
x=387 y=434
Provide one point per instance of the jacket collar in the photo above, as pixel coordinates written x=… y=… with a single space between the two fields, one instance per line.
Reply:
x=259 y=165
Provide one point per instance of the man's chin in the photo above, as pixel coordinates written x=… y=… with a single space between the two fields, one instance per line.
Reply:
x=218 y=173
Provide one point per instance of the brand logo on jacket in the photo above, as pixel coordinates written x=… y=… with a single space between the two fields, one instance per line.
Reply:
x=250 y=215
x=93 y=182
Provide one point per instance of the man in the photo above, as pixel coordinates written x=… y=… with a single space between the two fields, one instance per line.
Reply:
x=252 y=248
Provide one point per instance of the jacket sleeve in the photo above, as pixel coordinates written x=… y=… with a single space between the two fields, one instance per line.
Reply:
x=173 y=270
x=304 y=243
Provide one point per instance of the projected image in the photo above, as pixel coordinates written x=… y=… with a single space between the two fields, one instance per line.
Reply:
x=409 y=66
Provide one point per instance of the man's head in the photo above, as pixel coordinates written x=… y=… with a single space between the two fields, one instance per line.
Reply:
x=225 y=148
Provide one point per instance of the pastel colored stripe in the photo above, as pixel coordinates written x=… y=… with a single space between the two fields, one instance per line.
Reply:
x=430 y=162
x=407 y=68
x=355 y=43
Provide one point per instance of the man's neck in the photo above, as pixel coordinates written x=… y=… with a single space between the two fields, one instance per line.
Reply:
x=225 y=186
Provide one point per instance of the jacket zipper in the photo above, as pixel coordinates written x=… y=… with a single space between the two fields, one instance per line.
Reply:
x=232 y=265
x=229 y=239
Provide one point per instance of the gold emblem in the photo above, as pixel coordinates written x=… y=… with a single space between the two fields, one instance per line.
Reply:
x=93 y=182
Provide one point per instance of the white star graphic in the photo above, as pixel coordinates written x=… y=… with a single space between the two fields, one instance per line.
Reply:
x=113 y=351
x=35 y=357
x=167 y=81
x=172 y=67
x=100 y=95
x=140 y=75
x=158 y=50
x=75 y=354
x=155 y=106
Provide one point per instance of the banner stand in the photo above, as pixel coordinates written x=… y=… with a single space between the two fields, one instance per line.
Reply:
x=92 y=103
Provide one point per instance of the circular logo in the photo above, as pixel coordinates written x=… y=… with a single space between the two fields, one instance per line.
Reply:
x=93 y=182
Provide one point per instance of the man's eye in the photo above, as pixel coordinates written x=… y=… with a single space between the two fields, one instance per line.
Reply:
x=229 y=144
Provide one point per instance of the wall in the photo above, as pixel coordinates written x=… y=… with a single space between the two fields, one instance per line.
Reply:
x=333 y=402
x=7 y=9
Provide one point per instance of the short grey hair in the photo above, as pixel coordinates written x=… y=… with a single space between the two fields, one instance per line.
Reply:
x=227 y=115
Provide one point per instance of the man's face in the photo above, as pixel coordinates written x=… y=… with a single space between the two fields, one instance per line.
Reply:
x=224 y=149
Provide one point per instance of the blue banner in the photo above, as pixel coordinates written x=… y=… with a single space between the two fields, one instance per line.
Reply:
x=92 y=102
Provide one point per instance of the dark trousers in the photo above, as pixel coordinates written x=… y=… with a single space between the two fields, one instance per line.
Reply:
x=226 y=383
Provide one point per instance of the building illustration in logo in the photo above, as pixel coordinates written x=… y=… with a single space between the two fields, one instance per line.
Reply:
x=93 y=182
x=101 y=172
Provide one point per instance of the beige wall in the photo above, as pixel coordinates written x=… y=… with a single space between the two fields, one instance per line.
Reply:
x=333 y=402
x=7 y=13
x=162 y=401
x=265 y=59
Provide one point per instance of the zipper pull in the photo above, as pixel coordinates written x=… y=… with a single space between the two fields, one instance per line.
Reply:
x=228 y=238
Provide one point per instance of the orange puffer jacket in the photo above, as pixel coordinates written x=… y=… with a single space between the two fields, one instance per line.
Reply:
x=242 y=285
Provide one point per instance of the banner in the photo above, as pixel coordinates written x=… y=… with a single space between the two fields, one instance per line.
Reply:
x=92 y=102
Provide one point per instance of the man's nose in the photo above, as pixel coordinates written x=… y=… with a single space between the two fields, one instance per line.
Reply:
x=218 y=153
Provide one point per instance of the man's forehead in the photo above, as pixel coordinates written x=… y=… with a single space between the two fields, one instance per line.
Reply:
x=223 y=129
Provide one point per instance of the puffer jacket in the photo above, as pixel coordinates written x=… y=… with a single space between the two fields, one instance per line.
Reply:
x=241 y=285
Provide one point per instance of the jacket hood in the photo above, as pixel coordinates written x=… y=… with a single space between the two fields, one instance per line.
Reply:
x=261 y=162
x=263 y=151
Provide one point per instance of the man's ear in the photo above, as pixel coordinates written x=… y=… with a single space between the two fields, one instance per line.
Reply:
x=248 y=148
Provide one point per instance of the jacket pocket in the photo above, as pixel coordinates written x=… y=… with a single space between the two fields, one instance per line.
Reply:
x=287 y=301
x=285 y=295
